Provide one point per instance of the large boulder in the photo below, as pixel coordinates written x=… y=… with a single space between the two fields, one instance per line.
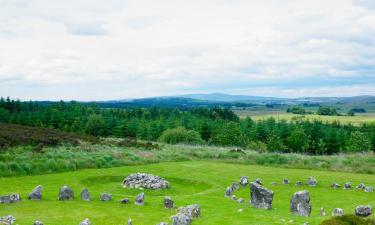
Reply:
x=144 y=180
x=194 y=211
x=300 y=203
x=140 y=199
x=168 y=202
x=85 y=195
x=85 y=222
x=312 y=182
x=181 y=219
x=66 y=193
x=244 y=180
x=105 y=197
x=11 y=198
x=36 y=194
x=337 y=212
x=7 y=220
x=260 y=197
x=363 y=210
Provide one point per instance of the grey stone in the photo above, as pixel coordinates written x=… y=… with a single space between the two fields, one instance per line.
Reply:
x=193 y=211
x=286 y=181
x=85 y=195
x=66 y=193
x=11 y=198
x=244 y=180
x=181 y=219
x=105 y=197
x=130 y=221
x=337 y=212
x=124 y=201
x=300 y=203
x=38 y=223
x=335 y=185
x=260 y=196
x=363 y=210
x=233 y=197
x=168 y=202
x=259 y=181
x=312 y=182
x=361 y=186
x=369 y=189
x=7 y=220
x=144 y=180
x=140 y=199
x=235 y=186
x=228 y=192
x=322 y=212
x=347 y=185
x=36 y=194
x=85 y=222
x=240 y=200
x=299 y=183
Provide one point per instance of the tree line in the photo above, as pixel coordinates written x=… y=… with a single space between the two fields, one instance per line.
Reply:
x=198 y=125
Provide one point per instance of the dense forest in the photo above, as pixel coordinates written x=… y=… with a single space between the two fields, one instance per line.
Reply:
x=198 y=125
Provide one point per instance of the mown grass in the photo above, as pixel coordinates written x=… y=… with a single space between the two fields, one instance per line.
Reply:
x=192 y=182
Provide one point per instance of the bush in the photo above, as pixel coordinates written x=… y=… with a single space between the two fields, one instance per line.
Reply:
x=348 y=220
x=181 y=135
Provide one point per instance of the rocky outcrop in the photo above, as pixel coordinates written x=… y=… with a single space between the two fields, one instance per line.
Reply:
x=363 y=210
x=140 y=199
x=168 y=202
x=300 y=203
x=36 y=194
x=85 y=195
x=144 y=180
x=66 y=193
x=260 y=197
x=11 y=198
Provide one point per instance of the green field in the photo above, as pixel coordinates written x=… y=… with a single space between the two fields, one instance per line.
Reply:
x=192 y=182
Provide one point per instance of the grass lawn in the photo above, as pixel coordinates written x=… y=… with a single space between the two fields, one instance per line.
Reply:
x=192 y=182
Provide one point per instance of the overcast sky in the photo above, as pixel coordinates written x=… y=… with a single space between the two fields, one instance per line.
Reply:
x=114 y=49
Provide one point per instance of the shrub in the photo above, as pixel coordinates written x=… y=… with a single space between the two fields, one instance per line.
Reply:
x=348 y=220
x=181 y=135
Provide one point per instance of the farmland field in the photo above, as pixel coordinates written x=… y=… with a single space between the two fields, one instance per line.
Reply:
x=191 y=182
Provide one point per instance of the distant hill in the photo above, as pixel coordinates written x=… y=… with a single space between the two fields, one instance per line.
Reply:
x=231 y=98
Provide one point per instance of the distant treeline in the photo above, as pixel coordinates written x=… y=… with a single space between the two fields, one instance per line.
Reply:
x=201 y=125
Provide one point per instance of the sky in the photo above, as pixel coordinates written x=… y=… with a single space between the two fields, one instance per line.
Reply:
x=118 y=49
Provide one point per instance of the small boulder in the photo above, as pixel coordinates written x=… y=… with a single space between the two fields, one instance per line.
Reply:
x=181 y=219
x=322 y=212
x=11 y=198
x=66 y=193
x=244 y=180
x=36 y=194
x=140 y=199
x=312 y=182
x=228 y=192
x=193 y=211
x=105 y=197
x=85 y=222
x=233 y=197
x=337 y=212
x=7 y=220
x=361 y=186
x=235 y=186
x=369 y=189
x=85 y=195
x=347 y=185
x=259 y=181
x=300 y=203
x=124 y=201
x=37 y=223
x=299 y=183
x=363 y=210
x=286 y=181
x=260 y=196
x=335 y=185
x=168 y=202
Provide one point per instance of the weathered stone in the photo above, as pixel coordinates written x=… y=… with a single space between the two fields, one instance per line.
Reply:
x=369 y=189
x=240 y=200
x=7 y=220
x=85 y=195
x=363 y=210
x=181 y=219
x=299 y=183
x=105 y=197
x=286 y=181
x=66 y=193
x=244 y=180
x=228 y=192
x=144 y=180
x=347 y=185
x=300 y=203
x=335 y=185
x=260 y=196
x=11 y=198
x=233 y=197
x=38 y=223
x=312 y=182
x=194 y=211
x=259 y=181
x=140 y=199
x=361 y=186
x=235 y=186
x=85 y=222
x=322 y=212
x=168 y=202
x=124 y=201
x=36 y=194
x=337 y=212
x=130 y=221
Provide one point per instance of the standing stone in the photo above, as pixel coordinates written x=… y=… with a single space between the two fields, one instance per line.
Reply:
x=181 y=219
x=228 y=192
x=124 y=201
x=105 y=197
x=85 y=222
x=260 y=196
x=347 y=185
x=312 y=182
x=300 y=203
x=140 y=199
x=38 y=223
x=66 y=193
x=85 y=195
x=7 y=220
x=337 y=212
x=361 y=186
x=369 y=189
x=193 y=211
x=286 y=181
x=322 y=212
x=244 y=180
x=168 y=202
x=335 y=185
x=11 y=198
x=130 y=221
x=36 y=194
x=298 y=183
x=259 y=181
x=363 y=210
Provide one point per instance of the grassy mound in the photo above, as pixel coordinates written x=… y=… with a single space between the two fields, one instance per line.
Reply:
x=191 y=182
x=348 y=220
